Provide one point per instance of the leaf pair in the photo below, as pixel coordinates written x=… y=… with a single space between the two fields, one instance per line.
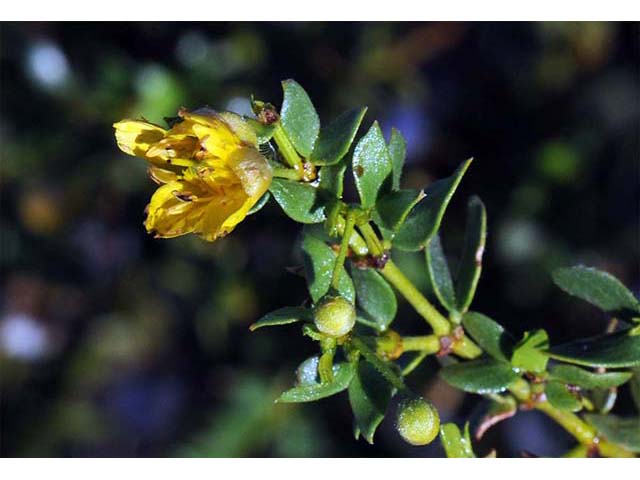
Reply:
x=457 y=296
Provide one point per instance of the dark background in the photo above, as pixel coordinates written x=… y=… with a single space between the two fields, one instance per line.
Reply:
x=116 y=344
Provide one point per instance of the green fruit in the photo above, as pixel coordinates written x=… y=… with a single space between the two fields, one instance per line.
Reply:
x=334 y=316
x=418 y=421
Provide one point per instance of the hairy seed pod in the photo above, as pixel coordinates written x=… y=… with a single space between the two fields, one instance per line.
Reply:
x=334 y=316
x=418 y=421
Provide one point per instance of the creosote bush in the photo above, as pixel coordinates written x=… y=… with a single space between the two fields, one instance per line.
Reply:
x=213 y=169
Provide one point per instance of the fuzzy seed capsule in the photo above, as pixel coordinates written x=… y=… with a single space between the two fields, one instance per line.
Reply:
x=418 y=421
x=334 y=316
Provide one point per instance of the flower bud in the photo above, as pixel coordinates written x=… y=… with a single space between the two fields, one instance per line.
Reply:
x=418 y=421
x=334 y=316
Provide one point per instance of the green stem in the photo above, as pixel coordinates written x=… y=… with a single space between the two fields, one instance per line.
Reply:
x=413 y=364
x=373 y=242
x=465 y=348
x=287 y=150
x=418 y=301
x=289 y=173
x=356 y=242
x=581 y=431
x=425 y=343
x=344 y=247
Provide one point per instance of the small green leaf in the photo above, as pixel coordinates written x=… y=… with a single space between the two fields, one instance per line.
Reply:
x=262 y=201
x=369 y=395
x=439 y=274
x=490 y=335
x=480 y=376
x=471 y=261
x=263 y=132
x=332 y=178
x=583 y=378
x=392 y=209
x=560 y=397
x=371 y=165
x=342 y=375
x=620 y=430
x=282 y=316
x=528 y=354
x=300 y=201
x=299 y=118
x=635 y=387
x=598 y=288
x=319 y=260
x=398 y=151
x=375 y=296
x=336 y=138
x=387 y=369
x=455 y=445
x=424 y=220
x=615 y=350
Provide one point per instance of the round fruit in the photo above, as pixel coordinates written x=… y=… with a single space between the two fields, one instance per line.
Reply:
x=334 y=316
x=418 y=421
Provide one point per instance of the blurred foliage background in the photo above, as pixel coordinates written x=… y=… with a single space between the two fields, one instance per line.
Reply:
x=116 y=344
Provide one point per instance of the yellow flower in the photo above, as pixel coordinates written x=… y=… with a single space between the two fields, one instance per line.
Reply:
x=208 y=167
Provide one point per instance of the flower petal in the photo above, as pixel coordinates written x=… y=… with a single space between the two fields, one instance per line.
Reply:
x=134 y=137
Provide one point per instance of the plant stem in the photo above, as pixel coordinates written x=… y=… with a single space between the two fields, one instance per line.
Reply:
x=465 y=348
x=414 y=363
x=373 y=242
x=581 y=431
x=425 y=343
x=418 y=301
x=287 y=150
x=344 y=247
x=289 y=173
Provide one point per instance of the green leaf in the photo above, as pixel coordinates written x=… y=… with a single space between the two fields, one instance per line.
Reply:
x=480 y=376
x=615 y=350
x=439 y=274
x=490 y=335
x=332 y=178
x=369 y=396
x=371 y=165
x=375 y=297
x=263 y=132
x=299 y=118
x=282 y=316
x=262 y=201
x=336 y=138
x=455 y=445
x=598 y=288
x=398 y=151
x=471 y=261
x=424 y=220
x=560 y=397
x=634 y=385
x=392 y=209
x=620 y=430
x=319 y=260
x=528 y=354
x=342 y=375
x=300 y=201
x=583 y=378
x=387 y=369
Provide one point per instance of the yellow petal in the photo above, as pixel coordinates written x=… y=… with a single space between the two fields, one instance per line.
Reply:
x=161 y=175
x=198 y=205
x=134 y=137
